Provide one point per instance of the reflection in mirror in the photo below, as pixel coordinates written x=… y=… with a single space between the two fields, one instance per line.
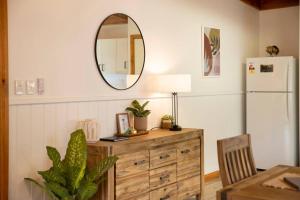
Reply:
x=120 y=51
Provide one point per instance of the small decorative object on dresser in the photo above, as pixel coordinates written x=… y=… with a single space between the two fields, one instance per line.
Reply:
x=166 y=121
x=272 y=50
x=89 y=127
x=161 y=165
x=123 y=124
x=140 y=115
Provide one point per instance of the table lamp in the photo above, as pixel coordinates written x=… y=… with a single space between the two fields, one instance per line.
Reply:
x=174 y=84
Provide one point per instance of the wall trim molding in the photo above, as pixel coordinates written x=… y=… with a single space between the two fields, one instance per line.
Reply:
x=211 y=176
x=53 y=100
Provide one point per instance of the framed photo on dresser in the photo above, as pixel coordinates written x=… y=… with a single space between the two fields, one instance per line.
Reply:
x=123 y=123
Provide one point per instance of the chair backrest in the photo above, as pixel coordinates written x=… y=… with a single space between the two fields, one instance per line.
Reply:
x=235 y=159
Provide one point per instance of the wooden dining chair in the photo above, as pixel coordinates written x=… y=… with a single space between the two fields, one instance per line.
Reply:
x=235 y=159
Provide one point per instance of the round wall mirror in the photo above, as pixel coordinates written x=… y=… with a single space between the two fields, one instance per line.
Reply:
x=120 y=51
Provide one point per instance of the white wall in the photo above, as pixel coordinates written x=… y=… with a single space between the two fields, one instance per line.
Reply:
x=55 y=40
x=279 y=27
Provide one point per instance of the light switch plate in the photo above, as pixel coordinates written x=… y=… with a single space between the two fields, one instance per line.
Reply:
x=40 y=86
x=30 y=87
x=20 y=87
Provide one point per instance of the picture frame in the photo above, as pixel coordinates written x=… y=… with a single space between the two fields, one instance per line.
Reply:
x=123 y=123
x=211 y=52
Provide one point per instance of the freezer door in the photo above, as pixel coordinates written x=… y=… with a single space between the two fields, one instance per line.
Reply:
x=270 y=123
x=270 y=74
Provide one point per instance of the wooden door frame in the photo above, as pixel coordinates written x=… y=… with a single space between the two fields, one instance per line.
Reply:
x=4 y=134
x=132 y=51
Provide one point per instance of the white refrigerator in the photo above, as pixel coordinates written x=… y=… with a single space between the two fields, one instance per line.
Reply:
x=272 y=112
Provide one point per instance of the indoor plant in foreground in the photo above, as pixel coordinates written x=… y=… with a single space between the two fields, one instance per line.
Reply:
x=69 y=179
x=140 y=115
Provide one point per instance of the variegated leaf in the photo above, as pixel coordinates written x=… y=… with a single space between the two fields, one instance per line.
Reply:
x=75 y=160
x=52 y=175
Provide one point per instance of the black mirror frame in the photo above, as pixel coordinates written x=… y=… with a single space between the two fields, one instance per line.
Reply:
x=95 y=52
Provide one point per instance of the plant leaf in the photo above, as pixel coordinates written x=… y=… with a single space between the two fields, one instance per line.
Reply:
x=101 y=179
x=56 y=158
x=145 y=113
x=87 y=190
x=144 y=105
x=167 y=117
x=50 y=194
x=134 y=110
x=52 y=175
x=136 y=104
x=59 y=190
x=75 y=160
x=137 y=109
x=101 y=167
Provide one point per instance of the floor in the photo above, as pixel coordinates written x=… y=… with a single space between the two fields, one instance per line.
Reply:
x=210 y=189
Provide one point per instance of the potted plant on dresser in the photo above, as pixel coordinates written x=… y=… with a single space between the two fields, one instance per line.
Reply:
x=140 y=115
x=167 y=121
x=69 y=179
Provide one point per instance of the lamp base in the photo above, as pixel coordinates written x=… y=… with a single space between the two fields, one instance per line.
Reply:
x=175 y=128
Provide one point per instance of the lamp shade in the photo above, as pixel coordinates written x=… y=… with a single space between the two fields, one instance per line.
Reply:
x=172 y=83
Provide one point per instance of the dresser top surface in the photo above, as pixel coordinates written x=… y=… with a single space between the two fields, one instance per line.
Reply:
x=153 y=135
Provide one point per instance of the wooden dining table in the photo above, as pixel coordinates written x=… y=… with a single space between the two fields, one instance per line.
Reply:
x=254 y=188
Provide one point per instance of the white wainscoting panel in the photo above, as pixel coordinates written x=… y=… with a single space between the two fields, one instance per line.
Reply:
x=33 y=126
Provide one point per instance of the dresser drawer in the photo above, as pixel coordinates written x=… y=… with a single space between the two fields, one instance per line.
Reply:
x=188 y=168
x=188 y=150
x=132 y=187
x=188 y=188
x=140 y=197
x=162 y=176
x=162 y=156
x=166 y=193
x=133 y=163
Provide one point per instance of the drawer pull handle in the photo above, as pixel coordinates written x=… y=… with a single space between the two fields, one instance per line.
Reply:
x=164 y=156
x=165 y=198
x=140 y=162
x=163 y=178
x=188 y=198
x=185 y=151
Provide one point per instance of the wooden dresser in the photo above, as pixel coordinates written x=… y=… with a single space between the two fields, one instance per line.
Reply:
x=162 y=165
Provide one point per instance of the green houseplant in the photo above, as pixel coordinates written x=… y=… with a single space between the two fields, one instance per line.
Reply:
x=140 y=115
x=69 y=179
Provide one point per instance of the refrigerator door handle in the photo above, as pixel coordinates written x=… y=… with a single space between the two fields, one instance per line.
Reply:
x=287 y=107
x=287 y=77
x=287 y=93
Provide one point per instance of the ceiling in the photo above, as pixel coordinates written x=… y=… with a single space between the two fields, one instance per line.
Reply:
x=271 y=4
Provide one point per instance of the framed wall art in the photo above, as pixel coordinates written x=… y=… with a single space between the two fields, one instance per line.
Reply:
x=211 y=39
